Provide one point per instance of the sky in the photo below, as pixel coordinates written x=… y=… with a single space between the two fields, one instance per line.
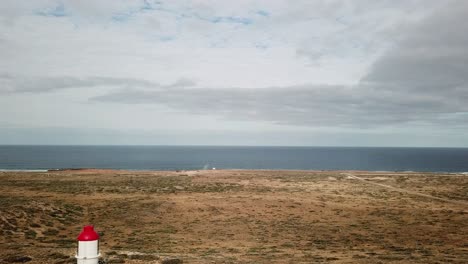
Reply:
x=210 y=72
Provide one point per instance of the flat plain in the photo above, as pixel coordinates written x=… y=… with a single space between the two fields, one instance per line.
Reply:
x=236 y=216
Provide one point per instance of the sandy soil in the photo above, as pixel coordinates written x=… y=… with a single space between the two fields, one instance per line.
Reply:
x=236 y=216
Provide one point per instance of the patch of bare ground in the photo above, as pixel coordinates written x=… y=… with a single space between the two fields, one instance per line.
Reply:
x=235 y=216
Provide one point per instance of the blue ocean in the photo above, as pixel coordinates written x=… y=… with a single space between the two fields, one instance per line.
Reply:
x=231 y=157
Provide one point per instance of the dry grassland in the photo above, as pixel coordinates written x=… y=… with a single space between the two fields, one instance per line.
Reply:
x=236 y=216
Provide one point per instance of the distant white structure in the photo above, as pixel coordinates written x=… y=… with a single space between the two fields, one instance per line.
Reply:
x=213 y=168
x=88 y=246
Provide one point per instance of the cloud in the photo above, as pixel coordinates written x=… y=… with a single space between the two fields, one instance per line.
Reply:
x=306 y=105
x=355 y=31
x=422 y=81
x=57 y=11
x=33 y=84
x=431 y=57
x=430 y=64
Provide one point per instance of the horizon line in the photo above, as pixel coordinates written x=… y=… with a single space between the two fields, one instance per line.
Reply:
x=222 y=145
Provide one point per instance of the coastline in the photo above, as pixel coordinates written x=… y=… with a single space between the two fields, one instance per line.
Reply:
x=100 y=170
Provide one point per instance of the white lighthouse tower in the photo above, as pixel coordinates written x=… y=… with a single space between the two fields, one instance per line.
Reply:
x=88 y=246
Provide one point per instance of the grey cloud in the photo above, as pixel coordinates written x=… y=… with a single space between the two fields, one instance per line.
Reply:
x=34 y=84
x=433 y=56
x=308 y=105
x=429 y=67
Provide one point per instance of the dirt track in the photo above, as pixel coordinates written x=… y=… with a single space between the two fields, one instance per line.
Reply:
x=463 y=203
x=236 y=216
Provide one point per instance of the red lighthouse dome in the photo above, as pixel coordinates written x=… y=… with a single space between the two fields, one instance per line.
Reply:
x=88 y=234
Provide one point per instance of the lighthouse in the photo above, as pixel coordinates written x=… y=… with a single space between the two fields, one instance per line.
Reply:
x=88 y=246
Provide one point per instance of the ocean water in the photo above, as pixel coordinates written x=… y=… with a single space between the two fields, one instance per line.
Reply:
x=225 y=157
